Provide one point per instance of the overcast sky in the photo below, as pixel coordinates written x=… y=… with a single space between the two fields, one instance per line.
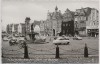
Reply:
x=15 y=11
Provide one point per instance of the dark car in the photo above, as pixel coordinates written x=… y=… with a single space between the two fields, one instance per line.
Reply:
x=12 y=42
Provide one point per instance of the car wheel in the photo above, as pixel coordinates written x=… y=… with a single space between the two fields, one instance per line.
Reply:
x=67 y=43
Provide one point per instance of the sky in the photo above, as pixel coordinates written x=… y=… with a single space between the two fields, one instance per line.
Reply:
x=15 y=11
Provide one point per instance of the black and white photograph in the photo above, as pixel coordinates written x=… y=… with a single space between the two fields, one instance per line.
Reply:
x=50 y=31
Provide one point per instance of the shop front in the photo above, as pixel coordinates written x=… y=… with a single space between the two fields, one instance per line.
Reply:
x=93 y=32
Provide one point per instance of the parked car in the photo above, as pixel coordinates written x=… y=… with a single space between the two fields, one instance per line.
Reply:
x=6 y=39
x=77 y=38
x=12 y=42
x=20 y=39
x=61 y=40
x=43 y=37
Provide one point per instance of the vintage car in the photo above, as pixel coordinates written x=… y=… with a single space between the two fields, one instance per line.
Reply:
x=13 y=42
x=61 y=41
x=6 y=39
x=77 y=38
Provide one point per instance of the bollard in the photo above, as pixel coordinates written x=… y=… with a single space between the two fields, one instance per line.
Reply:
x=2 y=55
x=85 y=51
x=57 y=52
x=25 y=51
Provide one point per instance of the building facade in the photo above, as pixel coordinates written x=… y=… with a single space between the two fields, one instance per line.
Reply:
x=86 y=22
x=22 y=25
x=54 y=20
x=36 y=25
x=83 y=22
x=42 y=28
x=81 y=18
x=16 y=28
x=27 y=25
x=93 y=23
x=9 y=28
x=67 y=27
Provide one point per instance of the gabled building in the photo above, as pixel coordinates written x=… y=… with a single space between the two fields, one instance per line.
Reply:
x=67 y=27
x=81 y=18
x=93 y=23
x=54 y=20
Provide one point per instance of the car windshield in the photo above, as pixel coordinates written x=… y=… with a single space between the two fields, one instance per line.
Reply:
x=62 y=38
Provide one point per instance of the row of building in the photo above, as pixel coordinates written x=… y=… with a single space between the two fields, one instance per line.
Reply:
x=82 y=22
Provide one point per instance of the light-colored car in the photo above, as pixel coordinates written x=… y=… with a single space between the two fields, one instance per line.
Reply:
x=6 y=39
x=42 y=37
x=20 y=39
x=61 y=40
x=77 y=38
x=39 y=41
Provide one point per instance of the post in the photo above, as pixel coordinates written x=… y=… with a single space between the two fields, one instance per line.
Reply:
x=25 y=51
x=57 y=52
x=85 y=51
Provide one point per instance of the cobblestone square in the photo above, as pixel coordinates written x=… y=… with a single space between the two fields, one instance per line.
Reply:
x=73 y=53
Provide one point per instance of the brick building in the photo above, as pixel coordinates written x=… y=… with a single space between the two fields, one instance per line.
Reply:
x=67 y=27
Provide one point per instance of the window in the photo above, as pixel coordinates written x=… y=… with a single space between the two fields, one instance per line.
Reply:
x=66 y=30
x=63 y=24
x=63 y=31
x=89 y=30
x=82 y=22
x=66 y=24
